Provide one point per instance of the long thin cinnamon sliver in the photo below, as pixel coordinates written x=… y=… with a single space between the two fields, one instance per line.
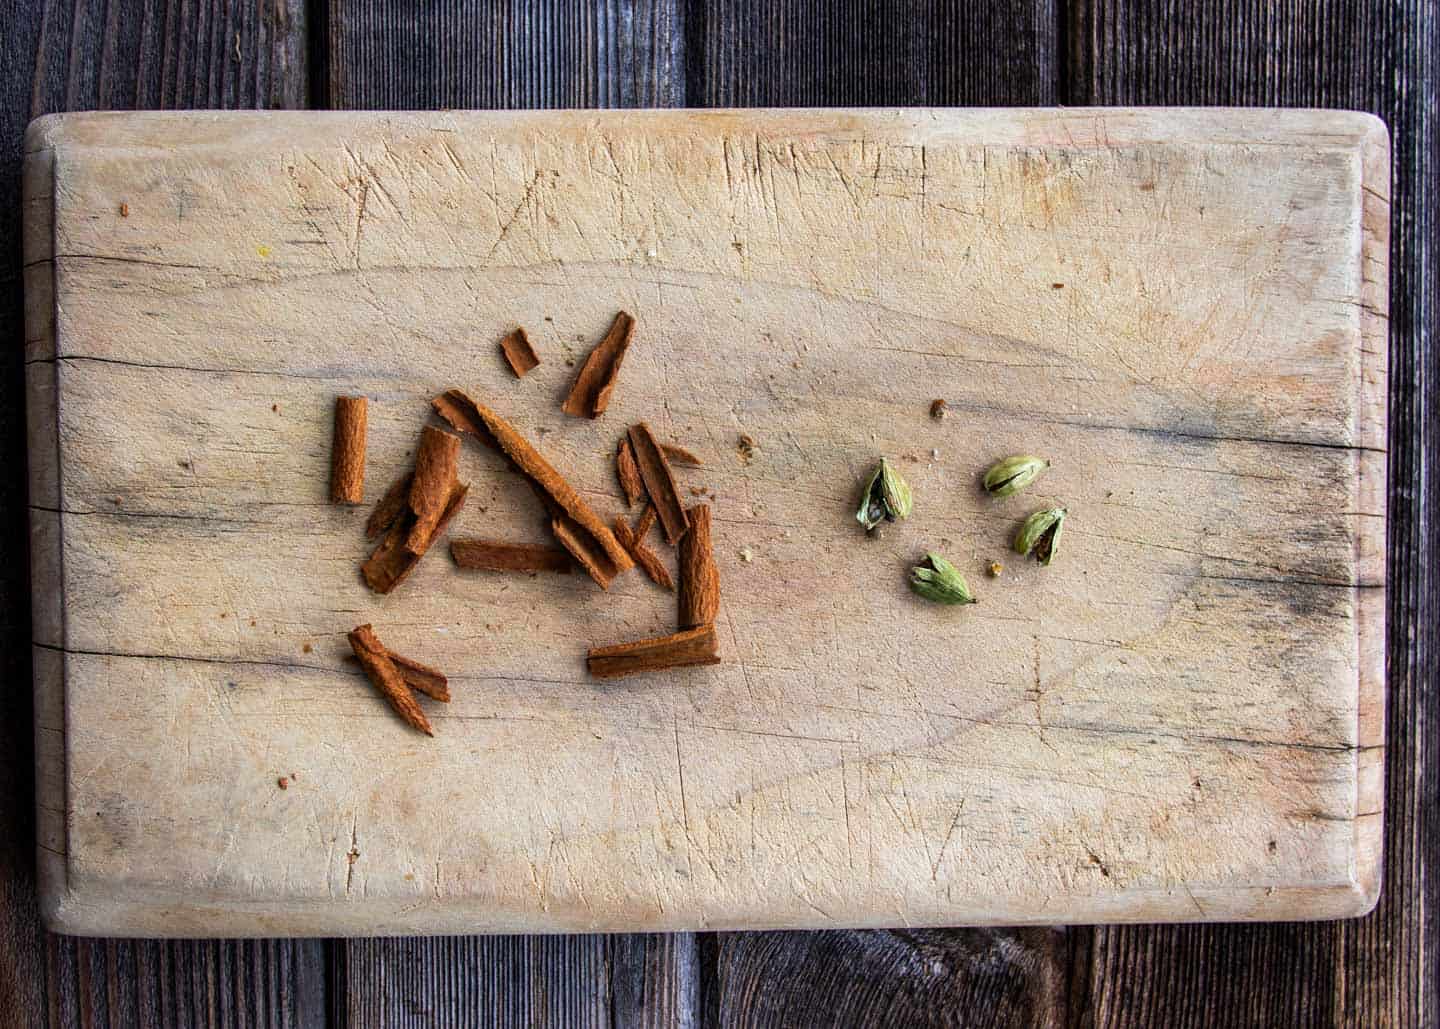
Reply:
x=386 y=677
x=659 y=482
x=435 y=465
x=627 y=472
x=690 y=647
x=390 y=507
x=347 y=455
x=674 y=452
x=582 y=532
x=590 y=394
x=518 y=352
x=391 y=562
x=494 y=556
x=646 y=558
x=644 y=523
x=699 y=599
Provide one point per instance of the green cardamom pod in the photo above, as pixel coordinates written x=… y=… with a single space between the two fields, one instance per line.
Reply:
x=937 y=579
x=887 y=497
x=1012 y=474
x=1040 y=534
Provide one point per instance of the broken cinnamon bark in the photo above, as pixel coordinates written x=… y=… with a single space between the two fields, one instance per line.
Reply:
x=678 y=650
x=392 y=561
x=679 y=455
x=519 y=354
x=699 y=599
x=495 y=556
x=435 y=466
x=646 y=520
x=659 y=482
x=627 y=472
x=391 y=505
x=646 y=558
x=427 y=680
x=590 y=394
x=347 y=455
x=386 y=677
x=577 y=527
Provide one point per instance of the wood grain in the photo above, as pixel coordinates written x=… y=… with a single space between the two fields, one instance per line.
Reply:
x=1383 y=969
x=475 y=54
x=59 y=56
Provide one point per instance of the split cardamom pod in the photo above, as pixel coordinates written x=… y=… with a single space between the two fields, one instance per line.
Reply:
x=886 y=497
x=1012 y=474
x=1040 y=534
x=938 y=580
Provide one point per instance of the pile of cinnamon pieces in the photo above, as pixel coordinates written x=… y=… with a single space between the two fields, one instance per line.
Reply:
x=418 y=508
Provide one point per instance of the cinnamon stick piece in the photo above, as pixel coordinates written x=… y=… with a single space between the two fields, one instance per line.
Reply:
x=421 y=678
x=391 y=561
x=645 y=521
x=678 y=454
x=646 y=558
x=699 y=598
x=347 y=454
x=627 y=472
x=390 y=506
x=590 y=394
x=690 y=647
x=435 y=464
x=580 y=529
x=659 y=482
x=386 y=677
x=519 y=354
x=494 y=556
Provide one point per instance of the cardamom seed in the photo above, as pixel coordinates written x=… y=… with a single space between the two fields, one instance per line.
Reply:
x=1040 y=534
x=886 y=498
x=938 y=580
x=1012 y=474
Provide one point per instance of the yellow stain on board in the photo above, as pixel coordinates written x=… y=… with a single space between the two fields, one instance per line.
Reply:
x=263 y=250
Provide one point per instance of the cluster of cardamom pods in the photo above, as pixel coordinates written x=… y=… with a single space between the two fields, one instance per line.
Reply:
x=887 y=498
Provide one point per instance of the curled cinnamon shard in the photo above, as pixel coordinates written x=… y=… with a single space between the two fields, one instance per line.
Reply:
x=627 y=472
x=577 y=527
x=436 y=462
x=518 y=352
x=347 y=455
x=390 y=563
x=659 y=482
x=646 y=558
x=590 y=394
x=390 y=507
x=495 y=556
x=699 y=598
x=678 y=650
x=386 y=677
x=427 y=680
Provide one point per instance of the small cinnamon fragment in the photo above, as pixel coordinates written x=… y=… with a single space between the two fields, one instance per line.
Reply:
x=690 y=647
x=390 y=507
x=646 y=558
x=518 y=352
x=494 y=556
x=646 y=520
x=628 y=473
x=678 y=454
x=590 y=394
x=435 y=465
x=659 y=482
x=699 y=599
x=391 y=561
x=386 y=677
x=580 y=529
x=347 y=454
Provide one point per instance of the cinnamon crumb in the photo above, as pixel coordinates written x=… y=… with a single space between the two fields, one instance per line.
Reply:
x=283 y=783
x=746 y=447
x=938 y=408
x=306 y=649
x=275 y=408
x=124 y=210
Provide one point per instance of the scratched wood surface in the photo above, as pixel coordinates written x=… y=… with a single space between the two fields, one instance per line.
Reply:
x=1179 y=719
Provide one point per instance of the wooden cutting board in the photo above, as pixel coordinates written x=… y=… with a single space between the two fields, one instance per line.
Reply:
x=1181 y=718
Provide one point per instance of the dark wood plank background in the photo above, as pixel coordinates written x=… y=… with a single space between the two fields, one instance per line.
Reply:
x=1373 y=55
